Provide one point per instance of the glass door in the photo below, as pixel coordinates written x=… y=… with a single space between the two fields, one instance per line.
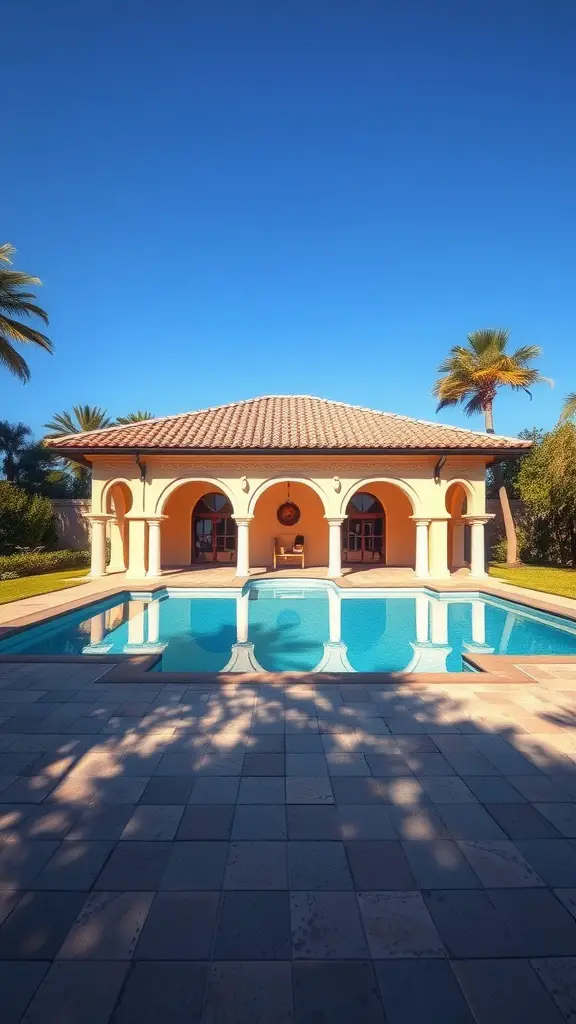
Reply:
x=364 y=540
x=204 y=538
x=373 y=540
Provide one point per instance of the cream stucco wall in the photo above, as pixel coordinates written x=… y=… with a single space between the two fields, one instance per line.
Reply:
x=320 y=485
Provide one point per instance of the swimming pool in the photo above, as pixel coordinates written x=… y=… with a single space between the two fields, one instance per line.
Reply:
x=304 y=625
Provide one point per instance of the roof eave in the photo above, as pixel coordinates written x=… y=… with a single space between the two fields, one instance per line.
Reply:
x=81 y=454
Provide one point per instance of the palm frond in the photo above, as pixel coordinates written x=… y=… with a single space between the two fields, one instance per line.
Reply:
x=135 y=417
x=91 y=417
x=16 y=300
x=19 y=304
x=82 y=418
x=12 y=359
x=472 y=374
x=61 y=424
x=490 y=337
x=24 y=333
x=569 y=407
x=6 y=252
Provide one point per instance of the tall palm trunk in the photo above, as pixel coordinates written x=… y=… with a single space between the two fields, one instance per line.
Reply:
x=509 y=527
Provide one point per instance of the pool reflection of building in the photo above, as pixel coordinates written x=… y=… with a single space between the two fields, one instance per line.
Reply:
x=142 y=618
x=430 y=648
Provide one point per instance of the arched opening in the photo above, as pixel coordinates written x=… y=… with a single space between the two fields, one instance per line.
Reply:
x=458 y=529
x=308 y=522
x=364 y=529
x=378 y=528
x=118 y=502
x=198 y=528
x=214 y=531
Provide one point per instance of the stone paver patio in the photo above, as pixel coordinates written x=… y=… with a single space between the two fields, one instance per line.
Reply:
x=281 y=853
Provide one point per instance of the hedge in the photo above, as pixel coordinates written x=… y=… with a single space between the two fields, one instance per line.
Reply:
x=32 y=563
x=26 y=520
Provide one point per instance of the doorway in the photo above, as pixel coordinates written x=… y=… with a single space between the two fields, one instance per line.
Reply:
x=364 y=530
x=213 y=530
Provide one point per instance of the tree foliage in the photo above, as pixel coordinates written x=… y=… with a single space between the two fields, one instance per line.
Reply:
x=568 y=411
x=82 y=418
x=136 y=417
x=16 y=302
x=472 y=374
x=26 y=520
x=511 y=468
x=30 y=464
x=547 y=486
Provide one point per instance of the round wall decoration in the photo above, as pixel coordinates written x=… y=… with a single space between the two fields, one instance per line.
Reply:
x=288 y=513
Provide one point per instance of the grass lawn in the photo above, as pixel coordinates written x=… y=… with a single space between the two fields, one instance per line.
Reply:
x=31 y=586
x=539 y=577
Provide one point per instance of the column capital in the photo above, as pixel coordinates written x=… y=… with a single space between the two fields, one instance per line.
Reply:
x=98 y=517
x=481 y=520
x=155 y=519
x=421 y=520
x=335 y=520
x=242 y=520
x=145 y=517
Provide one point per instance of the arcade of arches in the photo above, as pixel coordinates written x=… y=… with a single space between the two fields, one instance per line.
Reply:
x=144 y=523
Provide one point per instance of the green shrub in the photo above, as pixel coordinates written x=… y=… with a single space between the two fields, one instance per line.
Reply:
x=26 y=520
x=31 y=563
x=499 y=549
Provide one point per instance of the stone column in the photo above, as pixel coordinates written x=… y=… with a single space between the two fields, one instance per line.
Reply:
x=477 y=555
x=153 y=615
x=422 y=616
x=334 y=617
x=136 y=623
x=243 y=545
x=335 y=547
x=97 y=543
x=478 y=622
x=439 y=549
x=439 y=622
x=97 y=628
x=117 y=560
x=242 y=608
x=154 y=545
x=421 y=562
x=137 y=537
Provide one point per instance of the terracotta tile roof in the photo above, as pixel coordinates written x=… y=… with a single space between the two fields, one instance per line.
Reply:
x=285 y=422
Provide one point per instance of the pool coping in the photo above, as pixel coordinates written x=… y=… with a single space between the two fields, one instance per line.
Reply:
x=135 y=668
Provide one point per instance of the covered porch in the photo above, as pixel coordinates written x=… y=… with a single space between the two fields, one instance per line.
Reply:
x=373 y=529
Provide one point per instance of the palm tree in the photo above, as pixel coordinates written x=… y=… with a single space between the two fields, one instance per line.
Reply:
x=569 y=407
x=14 y=440
x=472 y=375
x=14 y=301
x=135 y=417
x=82 y=418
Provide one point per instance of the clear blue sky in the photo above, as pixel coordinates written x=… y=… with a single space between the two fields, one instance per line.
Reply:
x=241 y=197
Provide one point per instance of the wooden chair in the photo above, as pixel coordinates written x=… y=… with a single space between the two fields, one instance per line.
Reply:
x=290 y=550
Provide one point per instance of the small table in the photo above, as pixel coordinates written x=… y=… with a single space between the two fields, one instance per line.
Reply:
x=298 y=555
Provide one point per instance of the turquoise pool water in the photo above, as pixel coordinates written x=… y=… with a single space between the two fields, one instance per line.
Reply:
x=291 y=627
